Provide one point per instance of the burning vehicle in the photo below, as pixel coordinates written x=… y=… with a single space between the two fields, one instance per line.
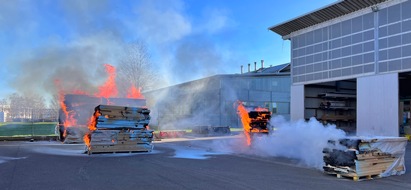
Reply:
x=255 y=121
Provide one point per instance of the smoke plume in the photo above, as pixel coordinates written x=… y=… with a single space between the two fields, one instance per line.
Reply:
x=76 y=38
x=301 y=141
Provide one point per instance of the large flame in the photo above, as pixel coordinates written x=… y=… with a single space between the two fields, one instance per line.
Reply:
x=134 y=92
x=92 y=122
x=68 y=115
x=109 y=88
x=245 y=120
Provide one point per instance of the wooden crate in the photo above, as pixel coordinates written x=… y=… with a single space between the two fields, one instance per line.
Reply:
x=119 y=148
x=120 y=141
x=367 y=158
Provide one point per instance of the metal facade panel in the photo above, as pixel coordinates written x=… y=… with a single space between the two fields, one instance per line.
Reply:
x=260 y=96
x=377 y=108
x=280 y=96
x=297 y=102
x=346 y=46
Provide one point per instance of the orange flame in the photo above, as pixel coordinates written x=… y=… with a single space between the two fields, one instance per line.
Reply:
x=245 y=120
x=260 y=109
x=77 y=91
x=134 y=92
x=69 y=115
x=87 y=140
x=92 y=122
x=109 y=88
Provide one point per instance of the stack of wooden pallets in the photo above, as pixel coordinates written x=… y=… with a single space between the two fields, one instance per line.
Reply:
x=358 y=158
x=120 y=129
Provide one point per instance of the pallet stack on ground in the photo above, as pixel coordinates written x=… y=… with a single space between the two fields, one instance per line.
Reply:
x=365 y=157
x=75 y=134
x=120 y=129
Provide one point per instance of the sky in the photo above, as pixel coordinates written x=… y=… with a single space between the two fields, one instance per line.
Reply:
x=42 y=41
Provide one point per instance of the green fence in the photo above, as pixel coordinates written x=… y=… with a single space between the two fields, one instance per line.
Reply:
x=16 y=129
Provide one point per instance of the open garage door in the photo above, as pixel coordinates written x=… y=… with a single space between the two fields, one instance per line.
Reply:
x=332 y=103
x=405 y=103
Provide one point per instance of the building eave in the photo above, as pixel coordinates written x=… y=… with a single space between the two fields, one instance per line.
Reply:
x=329 y=12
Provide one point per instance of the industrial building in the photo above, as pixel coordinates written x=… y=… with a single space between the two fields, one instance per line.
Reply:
x=351 y=65
x=212 y=101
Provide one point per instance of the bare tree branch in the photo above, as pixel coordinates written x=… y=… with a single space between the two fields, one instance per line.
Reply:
x=135 y=68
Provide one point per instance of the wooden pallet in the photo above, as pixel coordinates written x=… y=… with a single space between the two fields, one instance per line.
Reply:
x=119 y=148
x=363 y=169
x=354 y=176
x=110 y=135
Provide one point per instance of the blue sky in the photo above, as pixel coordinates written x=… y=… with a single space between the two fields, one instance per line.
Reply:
x=43 y=40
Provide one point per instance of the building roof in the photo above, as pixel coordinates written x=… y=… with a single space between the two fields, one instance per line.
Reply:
x=340 y=8
x=283 y=68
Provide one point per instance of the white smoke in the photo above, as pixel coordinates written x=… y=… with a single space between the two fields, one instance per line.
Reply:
x=162 y=22
x=300 y=140
x=88 y=34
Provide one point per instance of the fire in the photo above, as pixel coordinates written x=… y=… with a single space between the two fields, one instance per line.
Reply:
x=245 y=120
x=92 y=127
x=68 y=115
x=87 y=140
x=93 y=120
x=134 y=92
x=260 y=109
x=109 y=88
x=77 y=91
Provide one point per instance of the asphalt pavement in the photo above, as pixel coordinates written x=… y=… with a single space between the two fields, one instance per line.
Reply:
x=196 y=163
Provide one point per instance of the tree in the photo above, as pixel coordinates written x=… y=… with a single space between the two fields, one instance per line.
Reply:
x=23 y=108
x=135 y=68
x=16 y=106
x=37 y=107
x=54 y=107
x=3 y=105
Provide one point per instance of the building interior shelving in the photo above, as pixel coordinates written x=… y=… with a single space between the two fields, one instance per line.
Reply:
x=332 y=103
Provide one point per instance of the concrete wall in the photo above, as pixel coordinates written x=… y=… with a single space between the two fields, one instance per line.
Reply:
x=297 y=102
x=377 y=105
